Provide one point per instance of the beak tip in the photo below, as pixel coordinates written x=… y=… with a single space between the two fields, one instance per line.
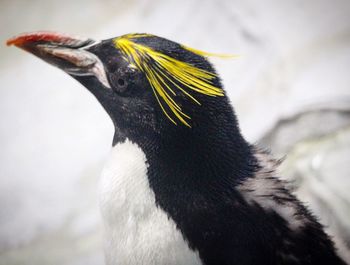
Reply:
x=10 y=42
x=17 y=41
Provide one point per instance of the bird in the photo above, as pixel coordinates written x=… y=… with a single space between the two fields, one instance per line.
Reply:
x=181 y=186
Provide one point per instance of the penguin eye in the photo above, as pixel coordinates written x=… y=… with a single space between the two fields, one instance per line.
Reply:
x=121 y=82
x=118 y=82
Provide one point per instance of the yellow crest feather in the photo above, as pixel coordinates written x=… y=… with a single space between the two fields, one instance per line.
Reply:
x=164 y=73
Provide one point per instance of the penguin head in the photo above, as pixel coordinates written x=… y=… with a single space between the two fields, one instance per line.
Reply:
x=147 y=84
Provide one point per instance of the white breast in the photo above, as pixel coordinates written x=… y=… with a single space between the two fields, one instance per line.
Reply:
x=136 y=230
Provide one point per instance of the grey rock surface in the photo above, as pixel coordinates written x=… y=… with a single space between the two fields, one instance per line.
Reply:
x=316 y=147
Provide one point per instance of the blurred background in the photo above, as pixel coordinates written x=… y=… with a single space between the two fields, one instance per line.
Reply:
x=290 y=88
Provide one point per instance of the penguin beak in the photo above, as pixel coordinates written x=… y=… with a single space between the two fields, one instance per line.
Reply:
x=68 y=53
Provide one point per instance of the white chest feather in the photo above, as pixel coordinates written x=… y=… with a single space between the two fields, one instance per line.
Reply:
x=136 y=230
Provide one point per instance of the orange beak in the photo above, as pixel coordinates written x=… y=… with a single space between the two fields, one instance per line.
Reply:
x=69 y=53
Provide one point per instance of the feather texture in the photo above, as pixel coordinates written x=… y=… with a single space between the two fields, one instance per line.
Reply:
x=167 y=75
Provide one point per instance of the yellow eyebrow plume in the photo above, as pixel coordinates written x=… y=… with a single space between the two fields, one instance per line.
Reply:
x=168 y=75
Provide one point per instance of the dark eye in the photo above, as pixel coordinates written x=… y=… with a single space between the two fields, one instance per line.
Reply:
x=118 y=82
x=121 y=82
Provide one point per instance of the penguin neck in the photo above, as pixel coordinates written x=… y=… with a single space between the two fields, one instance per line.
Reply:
x=186 y=155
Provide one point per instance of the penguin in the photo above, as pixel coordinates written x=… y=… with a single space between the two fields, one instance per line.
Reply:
x=181 y=186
